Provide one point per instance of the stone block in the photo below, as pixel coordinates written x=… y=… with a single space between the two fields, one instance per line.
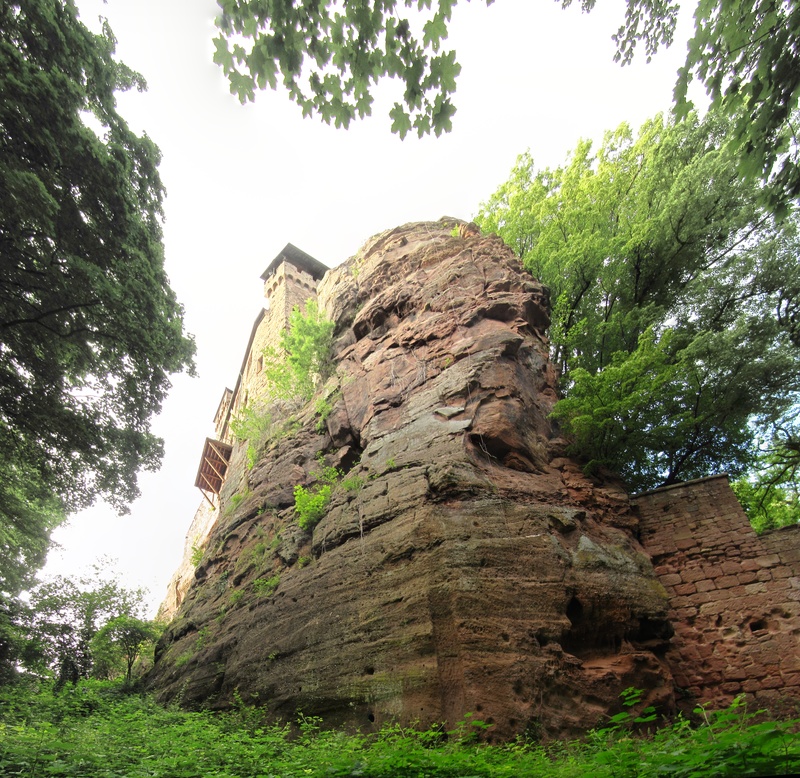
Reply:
x=712 y=608
x=790 y=555
x=692 y=574
x=726 y=581
x=670 y=579
x=791 y=679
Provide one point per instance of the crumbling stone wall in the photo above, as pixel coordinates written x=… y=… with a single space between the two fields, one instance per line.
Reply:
x=734 y=595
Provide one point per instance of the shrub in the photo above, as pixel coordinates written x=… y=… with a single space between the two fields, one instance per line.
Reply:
x=310 y=506
x=236 y=596
x=352 y=483
x=266 y=586
x=305 y=356
x=254 y=425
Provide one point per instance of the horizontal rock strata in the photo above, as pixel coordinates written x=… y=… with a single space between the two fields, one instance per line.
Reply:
x=464 y=564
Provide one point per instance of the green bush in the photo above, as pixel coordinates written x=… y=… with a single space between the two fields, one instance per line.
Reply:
x=305 y=357
x=266 y=586
x=94 y=730
x=197 y=555
x=310 y=506
x=353 y=483
x=236 y=596
x=254 y=425
x=235 y=501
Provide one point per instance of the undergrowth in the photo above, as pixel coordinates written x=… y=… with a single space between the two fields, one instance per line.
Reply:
x=94 y=730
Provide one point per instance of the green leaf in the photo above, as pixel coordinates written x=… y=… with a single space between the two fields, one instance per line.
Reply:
x=434 y=30
x=222 y=55
x=401 y=121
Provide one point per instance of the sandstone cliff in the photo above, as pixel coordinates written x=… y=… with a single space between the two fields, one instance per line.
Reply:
x=466 y=565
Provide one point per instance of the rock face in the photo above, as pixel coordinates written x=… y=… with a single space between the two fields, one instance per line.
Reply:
x=464 y=564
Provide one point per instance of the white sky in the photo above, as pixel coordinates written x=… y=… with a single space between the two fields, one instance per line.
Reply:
x=242 y=181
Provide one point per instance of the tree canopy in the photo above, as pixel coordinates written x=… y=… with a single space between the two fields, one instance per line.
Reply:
x=329 y=56
x=747 y=55
x=61 y=623
x=90 y=329
x=675 y=298
x=121 y=641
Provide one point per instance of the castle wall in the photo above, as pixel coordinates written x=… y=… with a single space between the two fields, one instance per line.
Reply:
x=196 y=537
x=286 y=287
x=734 y=595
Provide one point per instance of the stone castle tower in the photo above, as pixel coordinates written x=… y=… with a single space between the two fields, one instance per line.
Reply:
x=290 y=280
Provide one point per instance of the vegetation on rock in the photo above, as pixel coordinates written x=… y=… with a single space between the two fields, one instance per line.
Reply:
x=292 y=372
x=311 y=504
x=304 y=359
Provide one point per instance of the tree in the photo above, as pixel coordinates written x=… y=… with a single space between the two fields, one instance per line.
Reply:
x=64 y=616
x=328 y=55
x=89 y=328
x=121 y=641
x=747 y=55
x=674 y=298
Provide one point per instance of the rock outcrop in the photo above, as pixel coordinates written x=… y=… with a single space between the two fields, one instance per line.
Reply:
x=464 y=563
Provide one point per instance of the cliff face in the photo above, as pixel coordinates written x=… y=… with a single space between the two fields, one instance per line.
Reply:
x=464 y=564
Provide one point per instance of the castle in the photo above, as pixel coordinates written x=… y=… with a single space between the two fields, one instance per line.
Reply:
x=289 y=281
x=477 y=567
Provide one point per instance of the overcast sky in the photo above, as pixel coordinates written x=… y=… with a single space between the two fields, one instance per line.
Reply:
x=242 y=181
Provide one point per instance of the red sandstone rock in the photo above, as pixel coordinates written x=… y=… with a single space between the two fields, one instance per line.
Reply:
x=473 y=568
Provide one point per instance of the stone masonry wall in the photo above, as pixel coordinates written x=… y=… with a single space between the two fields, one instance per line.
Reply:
x=734 y=596
x=196 y=537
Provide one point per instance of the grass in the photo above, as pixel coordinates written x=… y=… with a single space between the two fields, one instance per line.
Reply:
x=96 y=730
